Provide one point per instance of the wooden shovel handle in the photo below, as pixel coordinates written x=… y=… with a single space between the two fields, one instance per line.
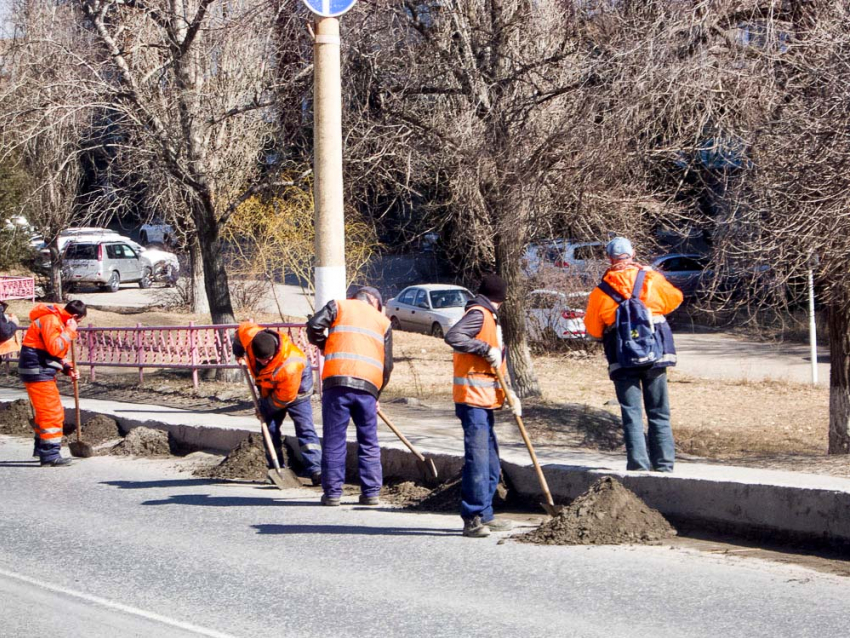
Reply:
x=267 y=437
x=75 y=383
x=401 y=436
x=542 y=479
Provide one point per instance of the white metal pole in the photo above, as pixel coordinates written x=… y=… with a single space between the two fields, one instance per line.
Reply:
x=813 y=333
x=329 y=275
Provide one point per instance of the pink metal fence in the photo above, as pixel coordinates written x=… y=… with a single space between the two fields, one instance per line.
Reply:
x=17 y=288
x=195 y=348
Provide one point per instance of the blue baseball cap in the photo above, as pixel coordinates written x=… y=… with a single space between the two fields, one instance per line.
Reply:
x=618 y=247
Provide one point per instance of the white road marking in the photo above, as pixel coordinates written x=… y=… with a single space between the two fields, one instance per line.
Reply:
x=127 y=609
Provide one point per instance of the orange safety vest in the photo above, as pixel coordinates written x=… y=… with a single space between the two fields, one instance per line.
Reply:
x=475 y=383
x=11 y=345
x=280 y=378
x=355 y=345
x=48 y=331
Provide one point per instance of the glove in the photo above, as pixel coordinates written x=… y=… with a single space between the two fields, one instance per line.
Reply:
x=71 y=324
x=494 y=357
x=515 y=402
x=69 y=370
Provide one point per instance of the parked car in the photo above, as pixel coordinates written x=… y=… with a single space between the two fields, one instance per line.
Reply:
x=428 y=308
x=156 y=231
x=584 y=259
x=106 y=263
x=551 y=314
x=688 y=272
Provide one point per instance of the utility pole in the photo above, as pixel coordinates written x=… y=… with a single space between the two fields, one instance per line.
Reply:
x=329 y=274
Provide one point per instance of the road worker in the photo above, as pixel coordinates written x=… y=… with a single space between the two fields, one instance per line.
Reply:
x=43 y=354
x=9 y=341
x=356 y=340
x=478 y=348
x=285 y=380
x=637 y=385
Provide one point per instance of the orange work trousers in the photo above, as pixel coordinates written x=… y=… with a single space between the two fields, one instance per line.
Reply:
x=49 y=417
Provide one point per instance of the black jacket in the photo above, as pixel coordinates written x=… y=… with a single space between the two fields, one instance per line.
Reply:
x=461 y=337
x=317 y=328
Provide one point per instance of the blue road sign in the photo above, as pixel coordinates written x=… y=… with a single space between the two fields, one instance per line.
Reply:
x=329 y=8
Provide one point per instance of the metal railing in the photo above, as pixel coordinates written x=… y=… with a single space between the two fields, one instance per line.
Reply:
x=192 y=347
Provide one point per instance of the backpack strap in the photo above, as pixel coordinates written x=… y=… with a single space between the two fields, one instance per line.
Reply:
x=608 y=289
x=638 y=284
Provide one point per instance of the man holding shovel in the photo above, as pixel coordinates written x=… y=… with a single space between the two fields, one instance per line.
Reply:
x=45 y=346
x=477 y=342
x=356 y=339
x=280 y=370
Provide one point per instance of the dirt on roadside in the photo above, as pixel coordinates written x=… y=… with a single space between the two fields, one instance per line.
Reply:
x=607 y=514
x=143 y=441
x=246 y=462
x=15 y=418
x=100 y=429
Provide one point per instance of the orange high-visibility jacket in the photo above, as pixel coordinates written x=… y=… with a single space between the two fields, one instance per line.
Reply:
x=14 y=343
x=658 y=294
x=280 y=379
x=475 y=383
x=355 y=344
x=45 y=344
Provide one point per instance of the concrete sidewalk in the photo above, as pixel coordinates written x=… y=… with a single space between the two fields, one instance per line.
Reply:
x=812 y=507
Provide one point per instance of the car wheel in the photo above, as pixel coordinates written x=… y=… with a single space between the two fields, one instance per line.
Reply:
x=395 y=323
x=114 y=282
x=437 y=331
x=144 y=237
x=145 y=281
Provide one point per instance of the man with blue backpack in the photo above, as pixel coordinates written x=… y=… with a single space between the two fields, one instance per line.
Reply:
x=627 y=312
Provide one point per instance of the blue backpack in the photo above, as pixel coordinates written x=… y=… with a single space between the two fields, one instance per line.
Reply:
x=635 y=340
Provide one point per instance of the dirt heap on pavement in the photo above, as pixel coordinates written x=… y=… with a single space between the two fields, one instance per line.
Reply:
x=446 y=497
x=404 y=494
x=246 y=462
x=15 y=418
x=143 y=441
x=100 y=429
x=606 y=514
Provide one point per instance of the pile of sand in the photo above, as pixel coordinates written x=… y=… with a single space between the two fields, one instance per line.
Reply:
x=15 y=418
x=607 y=514
x=246 y=462
x=446 y=497
x=143 y=441
x=100 y=429
x=403 y=494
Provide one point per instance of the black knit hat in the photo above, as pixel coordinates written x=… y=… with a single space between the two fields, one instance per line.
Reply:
x=494 y=288
x=372 y=292
x=263 y=345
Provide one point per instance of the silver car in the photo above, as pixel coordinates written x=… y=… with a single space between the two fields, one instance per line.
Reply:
x=552 y=314
x=428 y=308
x=107 y=263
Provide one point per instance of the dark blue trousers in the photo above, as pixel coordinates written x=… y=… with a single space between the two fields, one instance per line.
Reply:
x=339 y=405
x=481 y=467
x=305 y=431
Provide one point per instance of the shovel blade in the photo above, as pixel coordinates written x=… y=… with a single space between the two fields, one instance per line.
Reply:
x=551 y=510
x=284 y=478
x=81 y=449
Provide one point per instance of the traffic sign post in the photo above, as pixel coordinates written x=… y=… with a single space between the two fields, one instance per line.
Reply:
x=329 y=274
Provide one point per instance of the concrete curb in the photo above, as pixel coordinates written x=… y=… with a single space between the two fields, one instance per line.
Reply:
x=788 y=506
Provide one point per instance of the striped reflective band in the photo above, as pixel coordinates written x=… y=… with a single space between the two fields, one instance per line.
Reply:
x=357 y=330
x=311 y=446
x=355 y=357
x=42 y=430
x=24 y=371
x=287 y=362
x=476 y=383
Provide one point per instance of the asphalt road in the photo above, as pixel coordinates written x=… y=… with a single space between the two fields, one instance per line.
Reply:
x=116 y=547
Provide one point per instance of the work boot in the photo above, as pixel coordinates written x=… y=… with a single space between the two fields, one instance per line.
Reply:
x=369 y=500
x=59 y=461
x=474 y=528
x=316 y=478
x=499 y=525
x=331 y=501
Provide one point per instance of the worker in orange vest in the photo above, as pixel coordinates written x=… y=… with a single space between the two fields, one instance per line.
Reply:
x=356 y=340
x=285 y=380
x=43 y=354
x=478 y=349
x=641 y=385
x=9 y=323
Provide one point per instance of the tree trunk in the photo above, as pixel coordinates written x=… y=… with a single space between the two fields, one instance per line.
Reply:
x=197 y=290
x=215 y=274
x=512 y=316
x=56 y=293
x=839 y=379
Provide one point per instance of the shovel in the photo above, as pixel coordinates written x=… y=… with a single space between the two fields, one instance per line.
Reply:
x=276 y=475
x=549 y=505
x=79 y=447
x=425 y=464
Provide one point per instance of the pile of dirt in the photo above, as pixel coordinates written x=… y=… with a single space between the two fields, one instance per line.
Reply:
x=404 y=494
x=143 y=441
x=246 y=462
x=15 y=418
x=607 y=514
x=100 y=429
x=446 y=497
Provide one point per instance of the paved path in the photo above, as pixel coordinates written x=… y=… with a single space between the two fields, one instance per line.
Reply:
x=116 y=547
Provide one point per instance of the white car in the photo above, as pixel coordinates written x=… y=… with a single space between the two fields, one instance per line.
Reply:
x=428 y=308
x=552 y=314
x=156 y=231
x=585 y=259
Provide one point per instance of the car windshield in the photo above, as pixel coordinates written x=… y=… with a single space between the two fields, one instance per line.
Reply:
x=81 y=251
x=449 y=298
